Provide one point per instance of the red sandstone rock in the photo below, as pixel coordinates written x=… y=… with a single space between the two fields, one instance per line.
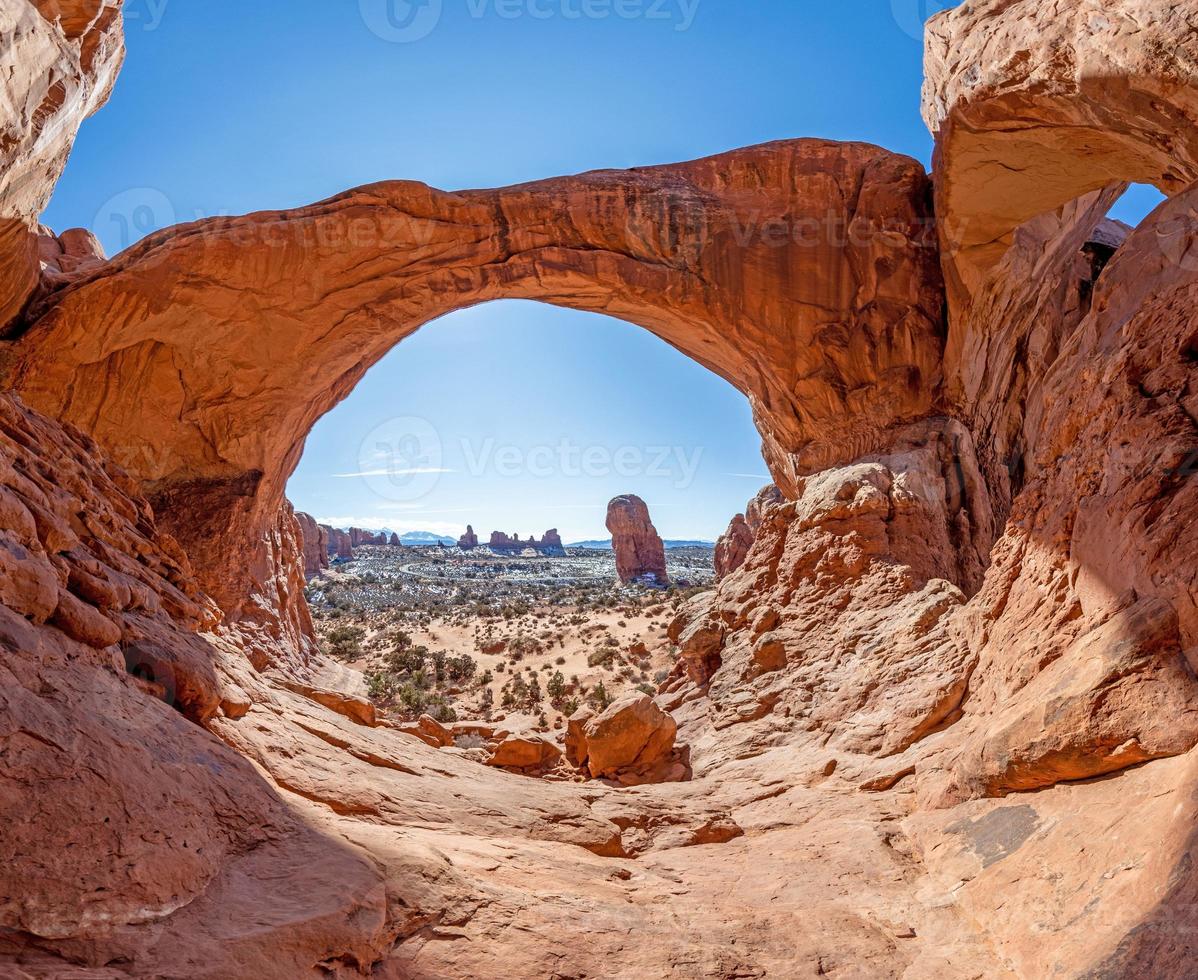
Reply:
x=523 y=752
x=732 y=546
x=315 y=544
x=872 y=638
x=339 y=542
x=631 y=733
x=469 y=540
x=640 y=554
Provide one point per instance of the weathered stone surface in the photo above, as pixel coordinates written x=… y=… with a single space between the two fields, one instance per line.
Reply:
x=732 y=547
x=1035 y=105
x=339 y=543
x=58 y=63
x=631 y=733
x=315 y=544
x=640 y=554
x=974 y=592
x=523 y=752
x=744 y=261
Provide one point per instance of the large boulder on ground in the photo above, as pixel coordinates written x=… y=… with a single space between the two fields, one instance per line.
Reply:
x=640 y=554
x=523 y=752
x=632 y=732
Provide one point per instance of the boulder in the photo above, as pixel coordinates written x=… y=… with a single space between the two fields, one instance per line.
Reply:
x=632 y=732
x=523 y=752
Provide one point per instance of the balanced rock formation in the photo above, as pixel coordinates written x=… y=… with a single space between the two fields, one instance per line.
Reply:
x=469 y=540
x=315 y=544
x=640 y=554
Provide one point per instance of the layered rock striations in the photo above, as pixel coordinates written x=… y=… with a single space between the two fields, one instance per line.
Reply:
x=640 y=554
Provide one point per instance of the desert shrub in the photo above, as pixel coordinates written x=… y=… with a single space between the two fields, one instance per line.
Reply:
x=381 y=685
x=406 y=661
x=601 y=657
x=556 y=688
x=569 y=706
x=599 y=697
x=461 y=667
x=345 y=642
x=647 y=689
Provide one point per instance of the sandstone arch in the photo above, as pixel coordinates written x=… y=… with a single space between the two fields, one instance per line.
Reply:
x=803 y=272
x=1035 y=105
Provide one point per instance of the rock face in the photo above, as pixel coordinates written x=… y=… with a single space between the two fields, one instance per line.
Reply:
x=952 y=683
x=733 y=546
x=339 y=545
x=394 y=541
x=315 y=544
x=358 y=537
x=58 y=64
x=469 y=540
x=640 y=554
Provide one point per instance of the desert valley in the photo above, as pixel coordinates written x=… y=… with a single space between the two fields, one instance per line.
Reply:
x=927 y=708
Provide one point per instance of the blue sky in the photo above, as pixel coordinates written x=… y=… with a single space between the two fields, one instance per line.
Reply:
x=535 y=415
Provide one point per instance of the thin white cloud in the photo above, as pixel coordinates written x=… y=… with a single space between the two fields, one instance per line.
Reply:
x=373 y=522
x=750 y=476
x=410 y=471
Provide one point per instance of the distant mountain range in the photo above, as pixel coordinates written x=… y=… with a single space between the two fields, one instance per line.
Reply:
x=419 y=538
x=668 y=542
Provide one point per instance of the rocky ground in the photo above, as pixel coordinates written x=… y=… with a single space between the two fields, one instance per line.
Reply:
x=525 y=640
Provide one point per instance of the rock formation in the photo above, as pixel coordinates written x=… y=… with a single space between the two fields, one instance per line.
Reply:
x=469 y=540
x=315 y=544
x=394 y=541
x=358 y=537
x=339 y=543
x=941 y=720
x=733 y=545
x=640 y=554
x=58 y=63
x=631 y=741
x=549 y=544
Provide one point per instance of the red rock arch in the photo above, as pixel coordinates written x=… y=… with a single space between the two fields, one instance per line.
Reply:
x=804 y=272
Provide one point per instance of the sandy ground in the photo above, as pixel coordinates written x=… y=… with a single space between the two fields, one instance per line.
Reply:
x=530 y=616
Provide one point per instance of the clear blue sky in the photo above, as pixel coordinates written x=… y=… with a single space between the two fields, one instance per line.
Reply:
x=227 y=107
